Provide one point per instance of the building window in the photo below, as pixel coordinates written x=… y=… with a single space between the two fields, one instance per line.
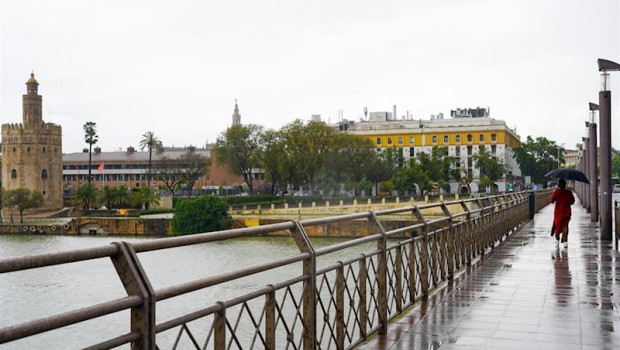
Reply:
x=469 y=150
x=434 y=138
x=389 y=141
x=13 y=174
x=13 y=149
x=493 y=138
x=28 y=149
x=457 y=138
x=446 y=139
x=481 y=138
x=378 y=140
x=481 y=149
x=378 y=150
x=400 y=140
x=44 y=174
x=457 y=150
x=411 y=152
x=43 y=149
x=411 y=140
x=469 y=162
x=469 y=138
x=493 y=149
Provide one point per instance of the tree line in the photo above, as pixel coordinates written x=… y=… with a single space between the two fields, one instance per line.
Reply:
x=315 y=156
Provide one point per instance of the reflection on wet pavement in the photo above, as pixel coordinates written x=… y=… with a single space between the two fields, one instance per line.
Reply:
x=526 y=294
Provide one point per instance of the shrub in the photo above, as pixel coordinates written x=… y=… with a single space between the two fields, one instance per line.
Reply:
x=204 y=214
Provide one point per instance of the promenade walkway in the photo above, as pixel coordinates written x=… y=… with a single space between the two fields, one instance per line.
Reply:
x=526 y=294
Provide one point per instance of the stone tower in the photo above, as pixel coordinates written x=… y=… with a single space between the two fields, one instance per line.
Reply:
x=236 y=116
x=32 y=152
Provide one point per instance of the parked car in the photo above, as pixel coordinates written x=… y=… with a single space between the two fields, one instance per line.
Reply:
x=617 y=188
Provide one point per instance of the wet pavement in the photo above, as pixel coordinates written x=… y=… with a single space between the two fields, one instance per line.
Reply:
x=526 y=294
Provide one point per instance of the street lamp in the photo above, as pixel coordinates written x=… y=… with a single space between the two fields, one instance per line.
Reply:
x=592 y=154
x=604 y=98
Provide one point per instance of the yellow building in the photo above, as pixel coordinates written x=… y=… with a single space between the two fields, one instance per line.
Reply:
x=462 y=136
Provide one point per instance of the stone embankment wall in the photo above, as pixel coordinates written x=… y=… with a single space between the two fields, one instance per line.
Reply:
x=91 y=226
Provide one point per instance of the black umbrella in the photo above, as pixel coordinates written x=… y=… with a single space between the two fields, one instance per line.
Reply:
x=568 y=174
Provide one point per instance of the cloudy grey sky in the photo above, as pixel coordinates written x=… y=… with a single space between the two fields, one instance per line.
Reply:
x=176 y=67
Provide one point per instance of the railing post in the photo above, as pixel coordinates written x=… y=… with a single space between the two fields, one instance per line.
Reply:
x=398 y=271
x=467 y=244
x=340 y=330
x=412 y=271
x=361 y=282
x=424 y=268
x=219 y=328
x=136 y=282
x=270 y=319
x=381 y=276
x=449 y=242
x=309 y=290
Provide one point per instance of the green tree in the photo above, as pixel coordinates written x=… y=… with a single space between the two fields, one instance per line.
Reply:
x=23 y=199
x=538 y=156
x=86 y=195
x=491 y=169
x=204 y=214
x=144 y=197
x=91 y=138
x=271 y=156
x=615 y=165
x=238 y=147
x=305 y=148
x=123 y=196
x=108 y=196
x=149 y=141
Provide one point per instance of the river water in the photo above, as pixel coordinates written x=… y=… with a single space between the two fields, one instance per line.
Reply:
x=28 y=295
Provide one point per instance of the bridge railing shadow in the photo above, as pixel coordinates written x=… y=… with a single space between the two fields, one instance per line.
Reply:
x=335 y=304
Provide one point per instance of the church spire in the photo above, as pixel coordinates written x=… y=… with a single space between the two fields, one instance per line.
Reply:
x=236 y=116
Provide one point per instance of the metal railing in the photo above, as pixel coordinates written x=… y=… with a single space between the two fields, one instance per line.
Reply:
x=337 y=306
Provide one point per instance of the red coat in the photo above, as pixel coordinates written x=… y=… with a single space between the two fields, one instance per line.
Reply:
x=563 y=199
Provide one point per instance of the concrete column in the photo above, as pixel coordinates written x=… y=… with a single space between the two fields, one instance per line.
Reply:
x=592 y=172
x=586 y=161
x=604 y=98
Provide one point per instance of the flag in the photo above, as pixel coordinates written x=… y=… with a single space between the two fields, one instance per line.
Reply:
x=100 y=167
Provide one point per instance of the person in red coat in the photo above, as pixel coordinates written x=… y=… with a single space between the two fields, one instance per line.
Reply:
x=563 y=199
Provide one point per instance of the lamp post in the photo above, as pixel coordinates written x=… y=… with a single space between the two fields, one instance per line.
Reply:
x=604 y=98
x=592 y=154
x=585 y=192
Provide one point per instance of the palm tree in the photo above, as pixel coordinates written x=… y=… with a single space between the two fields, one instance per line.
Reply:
x=91 y=138
x=149 y=140
x=145 y=197
x=86 y=195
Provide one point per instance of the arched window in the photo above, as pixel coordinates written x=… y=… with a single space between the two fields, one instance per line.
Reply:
x=13 y=174
x=481 y=138
x=434 y=138
x=378 y=140
x=389 y=140
x=400 y=140
x=44 y=174
x=493 y=137
x=446 y=139
x=457 y=138
x=411 y=140
x=469 y=138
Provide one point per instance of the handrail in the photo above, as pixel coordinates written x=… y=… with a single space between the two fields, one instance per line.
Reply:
x=442 y=246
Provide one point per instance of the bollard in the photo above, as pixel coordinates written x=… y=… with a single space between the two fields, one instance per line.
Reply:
x=532 y=204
